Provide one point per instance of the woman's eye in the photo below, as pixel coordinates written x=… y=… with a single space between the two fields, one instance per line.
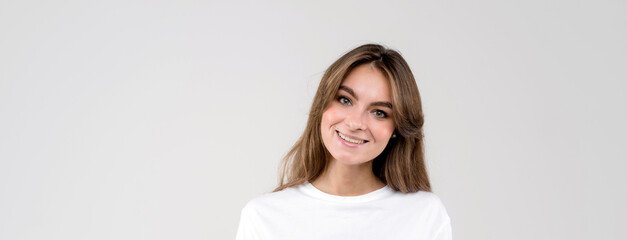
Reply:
x=380 y=114
x=344 y=100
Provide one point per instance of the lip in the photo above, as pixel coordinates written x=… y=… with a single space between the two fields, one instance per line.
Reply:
x=347 y=143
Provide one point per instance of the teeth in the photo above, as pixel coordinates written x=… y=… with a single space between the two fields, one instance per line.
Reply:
x=350 y=139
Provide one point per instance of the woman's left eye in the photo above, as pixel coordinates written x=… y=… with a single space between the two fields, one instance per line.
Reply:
x=380 y=114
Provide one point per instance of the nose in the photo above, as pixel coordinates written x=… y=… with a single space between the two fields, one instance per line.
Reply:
x=354 y=120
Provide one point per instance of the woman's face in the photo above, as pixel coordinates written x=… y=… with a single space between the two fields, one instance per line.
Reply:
x=357 y=124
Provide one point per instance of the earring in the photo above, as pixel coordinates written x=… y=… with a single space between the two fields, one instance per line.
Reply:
x=393 y=135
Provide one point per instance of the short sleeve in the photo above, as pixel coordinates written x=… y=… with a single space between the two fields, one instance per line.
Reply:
x=445 y=232
x=246 y=229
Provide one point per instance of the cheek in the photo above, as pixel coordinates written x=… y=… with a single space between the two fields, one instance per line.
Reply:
x=385 y=130
x=330 y=116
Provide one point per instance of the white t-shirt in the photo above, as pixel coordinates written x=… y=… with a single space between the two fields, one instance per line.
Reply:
x=305 y=212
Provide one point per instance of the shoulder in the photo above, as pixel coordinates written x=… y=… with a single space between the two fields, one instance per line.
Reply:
x=422 y=202
x=424 y=209
x=261 y=212
x=422 y=197
x=272 y=200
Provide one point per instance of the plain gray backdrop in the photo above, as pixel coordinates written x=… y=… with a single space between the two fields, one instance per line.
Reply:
x=161 y=119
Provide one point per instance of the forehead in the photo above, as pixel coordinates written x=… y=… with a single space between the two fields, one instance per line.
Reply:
x=368 y=83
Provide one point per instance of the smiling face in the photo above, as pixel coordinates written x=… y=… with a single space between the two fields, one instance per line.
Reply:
x=357 y=125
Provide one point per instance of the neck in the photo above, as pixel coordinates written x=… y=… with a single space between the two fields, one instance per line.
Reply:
x=347 y=180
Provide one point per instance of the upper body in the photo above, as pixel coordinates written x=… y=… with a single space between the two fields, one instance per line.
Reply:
x=358 y=170
x=304 y=212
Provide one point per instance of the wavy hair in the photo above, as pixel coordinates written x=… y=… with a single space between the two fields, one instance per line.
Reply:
x=401 y=165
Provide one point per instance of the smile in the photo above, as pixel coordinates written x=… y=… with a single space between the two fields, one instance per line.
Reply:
x=355 y=141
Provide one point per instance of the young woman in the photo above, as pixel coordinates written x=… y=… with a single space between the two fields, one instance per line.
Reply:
x=358 y=170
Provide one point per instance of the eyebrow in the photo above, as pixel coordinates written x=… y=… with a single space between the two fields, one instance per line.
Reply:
x=349 y=91
x=378 y=103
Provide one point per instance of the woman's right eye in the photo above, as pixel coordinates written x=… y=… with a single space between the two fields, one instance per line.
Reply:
x=344 y=100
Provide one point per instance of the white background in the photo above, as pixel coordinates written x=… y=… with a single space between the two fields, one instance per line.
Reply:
x=161 y=119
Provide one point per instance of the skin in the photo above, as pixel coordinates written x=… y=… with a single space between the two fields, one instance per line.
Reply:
x=362 y=111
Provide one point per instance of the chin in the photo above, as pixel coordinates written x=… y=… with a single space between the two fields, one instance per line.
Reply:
x=350 y=160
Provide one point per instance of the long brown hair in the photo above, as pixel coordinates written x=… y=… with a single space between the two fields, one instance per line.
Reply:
x=401 y=164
